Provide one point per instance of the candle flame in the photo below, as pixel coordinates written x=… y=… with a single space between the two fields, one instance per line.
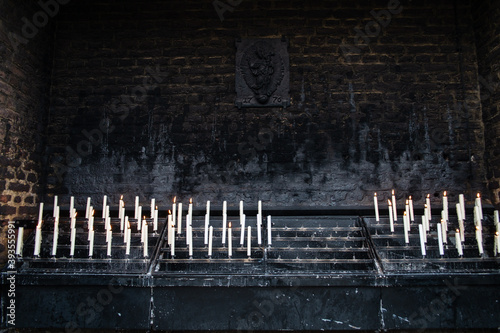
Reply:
x=410 y=197
x=405 y=213
x=169 y=212
x=229 y=224
x=389 y=202
x=479 y=195
x=407 y=202
x=392 y=192
x=428 y=195
x=425 y=206
x=477 y=228
x=190 y=200
x=75 y=214
x=444 y=193
x=121 y=197
x=156 y=207
x=458 y=231
x=93 y=211
x=375 y=194
x=175 y=198
x=496 y=233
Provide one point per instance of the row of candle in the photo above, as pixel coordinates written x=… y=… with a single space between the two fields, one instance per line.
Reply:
x=442 y=226
x=143 y=227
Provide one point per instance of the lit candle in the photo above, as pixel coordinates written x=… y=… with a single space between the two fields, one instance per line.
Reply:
x=426 y=213
x=445 y=207
x=206 y=229
x=152 y=209
x=40 y=214
x=38 y=240
x=190 y=241
x=391 y=219
x=211 y=233
x=55 y=206
x=440 y=239
x=91 y=244
x=170 y=230
x=104 y=204
x=375 y=204
x=269 y=238
x=73 y=236
x=480 y=206
x=412 y=215
x=422 y=241
x=121 y=213
x=172 y=246
x=249 y=242
x=461 y=200
x=428 y=203
x=259 y=217
x=230 y=241
x=407 y=208
x=91 y=221
x=497 y=237
x=458 y=243
x=128 y=231
x=224 y=221
x=394 y=209
x=144 y=231
x=479 y=238
x=125 y=227
x=405 y=225
x=174 y=212
x=179 y=219
x=259 y=231
x=241 y=212
x=155 y=222
x=443 y=230
x=496 y=220
x=19 y=245
x=137 y=214
x=242 y=238
x=146 y=241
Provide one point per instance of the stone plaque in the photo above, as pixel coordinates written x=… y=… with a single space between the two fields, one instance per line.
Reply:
x=262 y=73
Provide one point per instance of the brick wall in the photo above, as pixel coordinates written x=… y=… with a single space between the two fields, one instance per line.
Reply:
x=486 y=17
x=26 y=55
x=143 y=97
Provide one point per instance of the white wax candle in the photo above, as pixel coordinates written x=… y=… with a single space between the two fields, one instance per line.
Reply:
x=496 y=220
x=208 y=209
x=224 y=221
x=428 y=203
x=462 y=229
x=445 y=207
x=440 y=239
x=479 y=239
x=126 y=227
x=73 y=239
x=405 y=225
x=259 y=210
x=172 y=246
x=230 y=241
x=128 y=231
x=55 y=237
x=155 y=222
x=476 y=215
x=104 y=205
x=146 y=243
x=242 y=236
x=422 y=241
x=391 y=218
x=71 y=205
x=139 y=222
x=426 y=213
x=424 y=221
x=55 y=206
x=174 y=212
x=412 y=214
x=91 y=244
x=73 y=220
x=137 y=214
x=461 y=200
x=259 y=230
x=206 y=230
x=19 y=245
x=394 y=209
x=145 y=229
x=269 y=238
x=170 y=230
x=375 y=204
x=407 y=209
x=40 y=214
x=58 y=211
x=38 y=241
x=91 y=222
x=211 y=233
x=249 y=242
x=122 y=217
x=497 y=237
x=152 y=209
x=478 y=203
x=459 y=211
x=443 y=231
x=179 y=219
x=458 y=243
x=241 y=210
x=190 y=241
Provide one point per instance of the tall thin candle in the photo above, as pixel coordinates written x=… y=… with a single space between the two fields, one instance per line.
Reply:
x=269 y=238
x=210 y=236
x=104 y=204
x=55 y=206
x=19 y=245
x=224 y=221
x=422 y=242
x=249 y=242
x=461 y=201
x=458 y=243
x=242 y=236
x=230 y=241
x=179 y=219
x=174 y=212
x=91 y=243
x=375 y=204
x=412 y=214
x=440 y=239
x=391 y=218
x=394 y=209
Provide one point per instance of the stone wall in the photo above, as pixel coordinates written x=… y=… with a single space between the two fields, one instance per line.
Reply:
x=486 y=18
x=26 y=33
x=384 y=94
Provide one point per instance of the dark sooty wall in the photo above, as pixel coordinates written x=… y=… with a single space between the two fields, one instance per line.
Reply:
x=142 y=102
